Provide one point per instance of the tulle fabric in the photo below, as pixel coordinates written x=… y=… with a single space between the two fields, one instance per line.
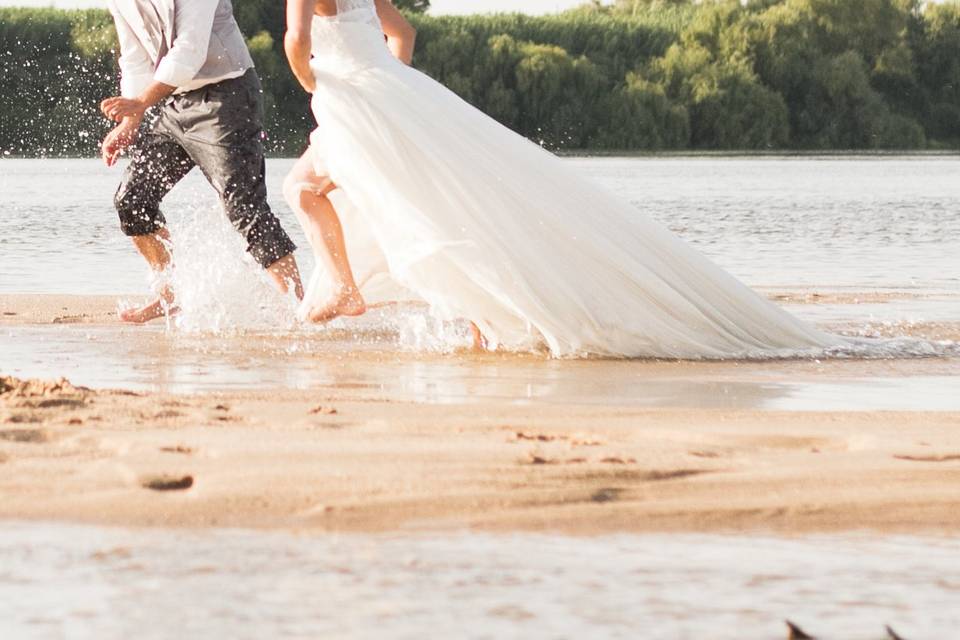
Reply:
x=442 y=204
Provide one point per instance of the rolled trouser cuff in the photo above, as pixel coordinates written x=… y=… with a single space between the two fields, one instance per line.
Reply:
x=136 y=227
x=136 y=217
x=269 y=245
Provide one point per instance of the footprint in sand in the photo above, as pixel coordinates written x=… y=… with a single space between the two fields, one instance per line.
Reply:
x=165 y=414
x=23 y=418
x=53 y=403
x=35 y=436
x=182 y=449
x=326 y=426
x=575 y=439
x=71 y=319
x=703 y=454
x=322 y=410
x=167 y=483
x=946 y=457
x=608 y=494
x=536 y=458
x=539 y=437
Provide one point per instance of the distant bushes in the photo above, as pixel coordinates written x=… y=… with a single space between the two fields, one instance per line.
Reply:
x=55 y=67
x=640 y=75
x=768 y=74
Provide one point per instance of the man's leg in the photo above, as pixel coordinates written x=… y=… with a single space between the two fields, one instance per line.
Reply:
x=156 y=165
x=225 y=144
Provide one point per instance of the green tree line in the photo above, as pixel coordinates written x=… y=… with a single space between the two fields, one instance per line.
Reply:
x=635 y=75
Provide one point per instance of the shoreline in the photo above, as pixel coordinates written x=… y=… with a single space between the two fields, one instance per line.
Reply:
x=347 y=451
x=340 y=463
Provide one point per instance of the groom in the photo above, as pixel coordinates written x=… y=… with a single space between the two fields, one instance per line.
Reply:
x=190 y=97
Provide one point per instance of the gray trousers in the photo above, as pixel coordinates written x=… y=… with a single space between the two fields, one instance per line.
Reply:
x=217 y=128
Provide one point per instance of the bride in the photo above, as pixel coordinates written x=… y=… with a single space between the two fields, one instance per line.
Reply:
x=408 y=192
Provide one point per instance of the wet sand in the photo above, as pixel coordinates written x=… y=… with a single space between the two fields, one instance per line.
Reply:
x=346 y=457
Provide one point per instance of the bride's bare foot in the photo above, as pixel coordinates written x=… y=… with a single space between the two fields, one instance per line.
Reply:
x=138 y=315
x=479 y=341
x=348 y=302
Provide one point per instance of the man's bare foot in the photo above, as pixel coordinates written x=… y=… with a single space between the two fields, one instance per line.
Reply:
x=348 y=302
x=138 y=315
x=286 y=275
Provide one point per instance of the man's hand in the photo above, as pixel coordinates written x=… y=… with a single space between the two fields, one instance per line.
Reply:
x=129 y=113
x=122 y=136
x=118 y=108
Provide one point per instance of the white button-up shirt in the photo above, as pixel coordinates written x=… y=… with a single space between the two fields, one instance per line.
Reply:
x=183 y=43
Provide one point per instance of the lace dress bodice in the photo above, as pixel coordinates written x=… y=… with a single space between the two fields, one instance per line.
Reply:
x=346 y=6
x=350 y=40
x=364 y=11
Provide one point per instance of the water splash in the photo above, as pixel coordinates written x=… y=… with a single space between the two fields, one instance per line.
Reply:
x=218 y=286
x=406 y=327
x=220 y=289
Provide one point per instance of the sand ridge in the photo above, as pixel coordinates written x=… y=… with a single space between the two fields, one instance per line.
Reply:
x=342 y=462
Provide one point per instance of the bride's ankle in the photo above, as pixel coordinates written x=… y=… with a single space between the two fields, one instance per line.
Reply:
x=345 y=291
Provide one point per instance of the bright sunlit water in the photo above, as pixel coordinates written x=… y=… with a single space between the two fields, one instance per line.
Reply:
x=84 y=582
x=883 y=221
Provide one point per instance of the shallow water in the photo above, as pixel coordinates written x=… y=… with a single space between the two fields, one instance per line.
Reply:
x=876 y=238
x=82 y=582
x=150 y=358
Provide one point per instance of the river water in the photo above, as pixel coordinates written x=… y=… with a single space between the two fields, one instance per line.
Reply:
x=877 y=239
x=889 y=222
x=86 y=582
x=872 y=241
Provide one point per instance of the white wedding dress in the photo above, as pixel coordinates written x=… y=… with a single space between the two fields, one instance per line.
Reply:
x=443 y=204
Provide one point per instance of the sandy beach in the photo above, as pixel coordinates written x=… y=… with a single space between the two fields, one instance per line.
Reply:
x=351 y=459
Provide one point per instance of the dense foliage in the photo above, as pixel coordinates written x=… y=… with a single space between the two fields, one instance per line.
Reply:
x=640 y=74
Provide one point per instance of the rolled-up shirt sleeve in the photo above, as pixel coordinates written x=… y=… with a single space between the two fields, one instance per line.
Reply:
x=188 y=52
x=136 y=69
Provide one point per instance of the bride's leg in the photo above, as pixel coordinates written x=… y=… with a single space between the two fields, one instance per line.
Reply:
x=305 y=192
